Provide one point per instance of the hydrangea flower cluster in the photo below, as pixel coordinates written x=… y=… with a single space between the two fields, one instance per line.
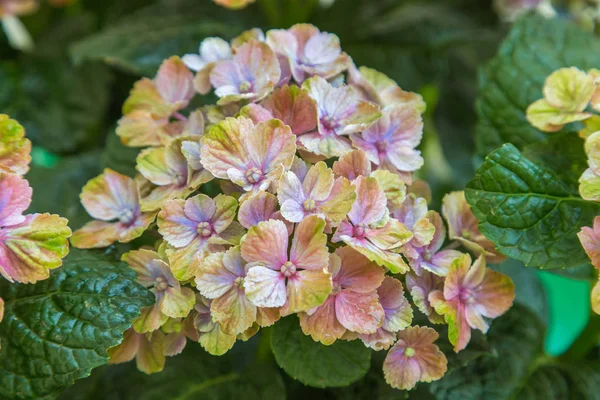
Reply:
x=30 y=244
x=294 y=194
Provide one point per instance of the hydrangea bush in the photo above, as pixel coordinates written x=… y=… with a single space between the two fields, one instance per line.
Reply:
x=293 y=194
x=258 y=212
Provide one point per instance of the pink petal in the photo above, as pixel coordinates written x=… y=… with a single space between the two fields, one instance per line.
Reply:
x=495 y=295
x=352 y=165
x=309 y=246
x=267 y=243
x=175 y=82
x=590 y=240
x=318 y=182
x=359 y=312
x=357 y=273
x=139 y=261
x=259 y=207
x=265 y=287
x=96 y=234
x=213 y=279
x=233 y=311
x=398 y=312
x=15 y=148
x=322 y=325
x=306 y=290
x=15 y=197
x=338 y=204
x=110 y=196
x=294 y=106
x=380 y=340
x=371 y=203
x=256 y=113
x=175 y=226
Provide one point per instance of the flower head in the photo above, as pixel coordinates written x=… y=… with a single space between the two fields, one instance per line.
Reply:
x=567 y=93
x=310 y=52
x=195 y=227
x=212 y=50
x=462 y=226
x=113 y=200
x=318 y=193
x=390 y=143
x=14 y=147
x=172 y=300
x=369 y=229
x=252 y=156
x=250 y=75
x=221 y=277
x=298 y=279
x=169 y=169
x=470 y=293
x=352 y=304
x=341 y=112
x=414 y=358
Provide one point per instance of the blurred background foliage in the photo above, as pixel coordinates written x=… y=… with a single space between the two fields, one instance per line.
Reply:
x=68 y=92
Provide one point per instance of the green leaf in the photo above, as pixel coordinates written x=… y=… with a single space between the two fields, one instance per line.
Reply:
x=194 y=374
x=314 y=364
x=141 y=41
x=521 y=370
x=527 y=212
x=534 y=48
x=58 y=330
x=56 y=190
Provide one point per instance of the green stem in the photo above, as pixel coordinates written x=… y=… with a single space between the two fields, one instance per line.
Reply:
x=587 y=340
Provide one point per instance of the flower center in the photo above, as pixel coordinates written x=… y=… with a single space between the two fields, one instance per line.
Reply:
x=426 y=255
x=204 y=229
x=329 y=123
x=127 y=216
x=409 y=352
x=288 y=269
x=467 y=295
x=336 y=288
x=360 y=230
x=254 y=175
x=309 y=205
x=161 y=284
x=381 y=147
x=239 y=281
x=180 y=179
x=245 y=86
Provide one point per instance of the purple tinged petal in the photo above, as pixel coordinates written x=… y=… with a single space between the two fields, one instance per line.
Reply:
x=266 y=243
x=15 y=197
x=111 y=196
x=265 y=287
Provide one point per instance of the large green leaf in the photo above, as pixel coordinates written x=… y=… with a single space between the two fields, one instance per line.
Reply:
x=314 y=364
x=141 y=41
x=513 y=80
x=59 y=329
x=528 y=212
x=194 y=374
x=521 y=370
